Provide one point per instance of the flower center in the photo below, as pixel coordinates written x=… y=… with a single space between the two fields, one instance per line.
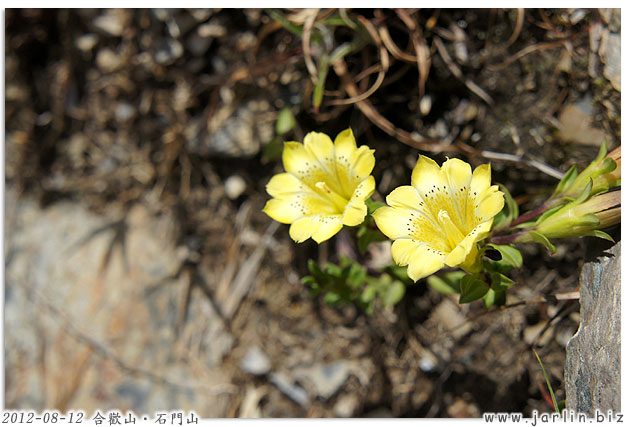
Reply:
x=452 y=232
x=339 y=201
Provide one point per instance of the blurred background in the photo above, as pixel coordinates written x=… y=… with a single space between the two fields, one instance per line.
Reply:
x=140 y=272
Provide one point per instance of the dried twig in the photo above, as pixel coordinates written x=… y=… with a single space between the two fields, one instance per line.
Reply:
x=365 y=106
x=518 y=27
x=515 y=158
x=393 y=48
x=306 y=43
x=524 y=52
x=384 y=66
x=456 y=71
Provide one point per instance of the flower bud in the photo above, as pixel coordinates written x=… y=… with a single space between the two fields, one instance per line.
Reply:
x=604 y=172
x=583 y=218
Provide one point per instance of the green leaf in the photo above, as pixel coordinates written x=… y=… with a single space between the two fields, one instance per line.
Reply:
x=537 y=237
x=273 y=150
x=509 y=212
x=368 y=294
x=400 y=273
x=499 y=282
x=276 y=15
x=497 y=298
x=393 y=293
x=447 y=284
x=510 y=255
x=603 y=151
x=356 y=275
x=489 y=298
x=547 y=214
x=318 y=91
x=472 y=289
x=308 y=280
x=566 y=181
x=343 y=50
x=545 y=376
x=500 y=298
x=332 y=298
x=285 y=122
x=367 y=236
x=585 y=193
x=588 y=220
x=495 y=267
x=600 y=234
x=314 y=268
x=333 y=270
x=608 y=166
x=372 y=205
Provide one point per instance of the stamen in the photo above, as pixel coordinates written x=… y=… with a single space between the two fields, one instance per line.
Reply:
x=453 y=234
x=334 y=197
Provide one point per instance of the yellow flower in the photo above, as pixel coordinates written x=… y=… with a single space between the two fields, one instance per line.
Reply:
x=324 y=187
x=439 y=218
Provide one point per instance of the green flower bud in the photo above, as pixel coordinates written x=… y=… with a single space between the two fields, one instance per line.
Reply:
x=583 y=217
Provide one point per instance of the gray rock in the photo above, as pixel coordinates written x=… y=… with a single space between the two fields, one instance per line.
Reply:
x=610 y=52
x=110 y=23
x=108 y=61
x=168 y=51
x=86 y=42
x=326 y=379
x=234 y=186
x=197 y=44
x=592 y=369
x=256 y=362
x=116 y=325
x=288 y=386
x=346 y=406
x=124 y=112
x=235 y=130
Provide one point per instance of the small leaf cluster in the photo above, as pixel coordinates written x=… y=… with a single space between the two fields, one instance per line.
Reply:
x=490 y=284
x=368 y=232
x=350 y=282
x=285 y=123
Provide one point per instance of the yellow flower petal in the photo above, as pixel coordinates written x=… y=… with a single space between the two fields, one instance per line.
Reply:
x=458 y=172
x=325 y=186
x=284 y=184
x=296 y=159
x=345 y=146
x=481 y=179
x=327 y=227
x=421 y=259
x=463 y=249
x=362 y=163
x=282 y=211
x=320 y=146
x=355 y=210
x=425 y=261
x=348 y=170
x=303 y=228
x=405 y=197
x=402 y=250
x=392 y=222
x=441 y=217
x=491 y=203
x=364 y=190
x=427 y=176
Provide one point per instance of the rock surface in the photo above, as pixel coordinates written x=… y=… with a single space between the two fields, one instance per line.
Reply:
x=93 y=324
x=592 y=370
